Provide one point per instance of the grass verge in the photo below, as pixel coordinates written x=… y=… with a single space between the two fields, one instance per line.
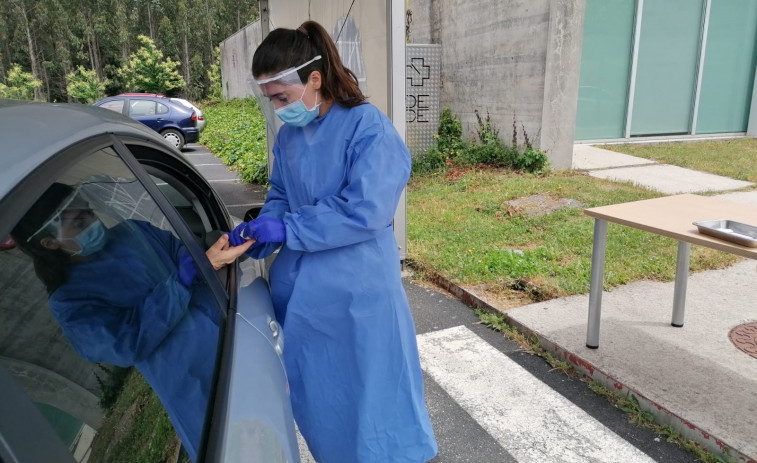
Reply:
x=136 y=428
x=735 y=158
x=464 y=228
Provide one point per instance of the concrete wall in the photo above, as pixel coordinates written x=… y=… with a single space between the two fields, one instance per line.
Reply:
x=34 y=349
x=517 y=60
x=236 y=60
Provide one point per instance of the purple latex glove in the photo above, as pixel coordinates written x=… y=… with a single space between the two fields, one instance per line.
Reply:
x=187 y=269
x=267 y=230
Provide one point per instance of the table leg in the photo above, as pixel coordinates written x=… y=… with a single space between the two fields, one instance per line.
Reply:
x=682 y=278
x=597 y=282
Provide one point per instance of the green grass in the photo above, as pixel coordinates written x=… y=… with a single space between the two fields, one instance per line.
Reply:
x=136 y=429
x=735 y=158
x=461 y=228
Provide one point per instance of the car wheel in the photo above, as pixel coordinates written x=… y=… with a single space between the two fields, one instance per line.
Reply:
x=174 y=138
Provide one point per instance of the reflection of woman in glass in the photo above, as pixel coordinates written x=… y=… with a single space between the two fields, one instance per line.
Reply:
x=127 y=296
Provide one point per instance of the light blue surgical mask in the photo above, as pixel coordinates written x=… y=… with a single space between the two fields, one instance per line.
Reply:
x=297 y=114
x=90 y=240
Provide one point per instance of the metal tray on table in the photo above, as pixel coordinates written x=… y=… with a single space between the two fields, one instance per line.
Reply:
x=729 y=230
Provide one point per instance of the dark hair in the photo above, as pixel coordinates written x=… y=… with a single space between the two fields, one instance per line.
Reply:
x=49 y=264
x=286 y=48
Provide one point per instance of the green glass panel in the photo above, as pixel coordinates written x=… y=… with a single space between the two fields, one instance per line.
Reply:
x=66 y=426
x=729 y=63
x=605 y=67
x=667 y=66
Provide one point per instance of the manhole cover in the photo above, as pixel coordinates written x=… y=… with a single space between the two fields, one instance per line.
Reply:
x=744 y=337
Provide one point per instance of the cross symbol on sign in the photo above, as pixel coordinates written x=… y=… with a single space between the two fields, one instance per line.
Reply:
x=418 y=72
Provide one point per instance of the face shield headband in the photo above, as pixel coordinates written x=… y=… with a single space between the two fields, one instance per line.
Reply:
x=287 y=76
x=75 y=200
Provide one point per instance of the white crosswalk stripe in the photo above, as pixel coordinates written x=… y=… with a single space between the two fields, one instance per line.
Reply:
x=531 y=421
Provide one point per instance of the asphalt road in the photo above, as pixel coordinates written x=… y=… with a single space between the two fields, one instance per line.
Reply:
x=489 y=400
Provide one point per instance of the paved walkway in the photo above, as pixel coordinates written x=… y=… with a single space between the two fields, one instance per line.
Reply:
x=692 y=377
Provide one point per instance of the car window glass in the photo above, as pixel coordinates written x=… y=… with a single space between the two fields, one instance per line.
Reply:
x=116 y=105
x=162 y=109
x=98 y=299
x=142 y=108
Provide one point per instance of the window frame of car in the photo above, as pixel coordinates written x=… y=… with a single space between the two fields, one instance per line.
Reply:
x=28 y=190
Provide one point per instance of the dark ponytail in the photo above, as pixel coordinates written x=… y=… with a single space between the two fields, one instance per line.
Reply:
x=286 y=48
x=49 y=264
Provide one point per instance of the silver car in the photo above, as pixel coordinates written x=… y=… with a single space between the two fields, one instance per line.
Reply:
x=68 y=305
x=200 y=117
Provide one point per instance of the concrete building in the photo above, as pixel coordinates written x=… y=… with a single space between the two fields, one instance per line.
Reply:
x=596 y=70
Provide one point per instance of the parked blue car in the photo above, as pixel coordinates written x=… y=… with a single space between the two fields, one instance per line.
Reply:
x=177 y=123
x=121 y=294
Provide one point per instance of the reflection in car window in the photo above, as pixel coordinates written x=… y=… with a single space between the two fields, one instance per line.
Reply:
x=100 y=280
x=117 y=105
x=142 y=108
x=162 y=109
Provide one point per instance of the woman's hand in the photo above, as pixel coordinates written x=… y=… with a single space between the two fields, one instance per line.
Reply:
x=262 y=230
x=222 y=253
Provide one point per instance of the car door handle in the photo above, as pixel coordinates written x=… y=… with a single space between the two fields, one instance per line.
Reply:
x=278 y=335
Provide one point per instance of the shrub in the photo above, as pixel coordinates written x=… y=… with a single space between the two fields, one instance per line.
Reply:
x=84 y=85
x=147 y=71
x=20 y=84
x=451 y=150
x=449 y=144
x=236 y=133
x=111 y=381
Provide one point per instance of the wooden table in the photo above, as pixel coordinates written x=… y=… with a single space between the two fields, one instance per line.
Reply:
x=670 y=216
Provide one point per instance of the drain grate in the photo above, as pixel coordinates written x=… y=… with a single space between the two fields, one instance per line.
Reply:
x=744 y=337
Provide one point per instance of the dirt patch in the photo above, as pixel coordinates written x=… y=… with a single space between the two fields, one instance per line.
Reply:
x=541 y=204
x=498 y=297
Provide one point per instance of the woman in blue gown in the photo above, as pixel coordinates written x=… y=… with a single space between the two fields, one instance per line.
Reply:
x=339 y=170
x=128 y=296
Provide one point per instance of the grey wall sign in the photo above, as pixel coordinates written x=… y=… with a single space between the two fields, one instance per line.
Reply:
x=422 y=93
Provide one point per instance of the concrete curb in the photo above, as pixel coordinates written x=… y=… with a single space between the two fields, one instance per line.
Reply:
x=590 y=372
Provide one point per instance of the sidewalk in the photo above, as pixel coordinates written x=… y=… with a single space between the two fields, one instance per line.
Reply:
x=692 y=378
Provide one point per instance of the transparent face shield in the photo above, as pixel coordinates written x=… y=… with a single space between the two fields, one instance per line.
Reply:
x=97 y=199
x=74 y=213
x=280 y=97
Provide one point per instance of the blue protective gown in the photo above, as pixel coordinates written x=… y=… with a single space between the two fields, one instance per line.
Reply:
x=350 y=352
x=126 y=306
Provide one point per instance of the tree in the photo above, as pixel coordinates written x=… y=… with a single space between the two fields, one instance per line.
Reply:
x=214 y=75
x=147 y=71
x=84 y=85
x=21 y=85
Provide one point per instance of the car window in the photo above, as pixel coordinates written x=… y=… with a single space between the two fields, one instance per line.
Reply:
x=115 y=105
x=162 y=109
x=141 y=108
x=100 y=300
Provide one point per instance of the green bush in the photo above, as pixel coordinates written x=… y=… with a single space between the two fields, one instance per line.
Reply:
x=451 y=150
x=449 y=144
x=84 y=85
x=20 y=84
x=236 y=133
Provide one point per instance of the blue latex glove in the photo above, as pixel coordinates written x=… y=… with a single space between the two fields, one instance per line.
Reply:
x=267 y=230
x=239 y=234
x=187 y=269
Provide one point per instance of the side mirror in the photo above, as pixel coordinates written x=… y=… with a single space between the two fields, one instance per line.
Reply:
x=252 y=213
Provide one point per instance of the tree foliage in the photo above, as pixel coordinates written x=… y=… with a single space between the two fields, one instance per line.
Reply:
x=147 y=70
x=85 y=86
x=214 y=75
x=20 y=85
x=51 y=38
